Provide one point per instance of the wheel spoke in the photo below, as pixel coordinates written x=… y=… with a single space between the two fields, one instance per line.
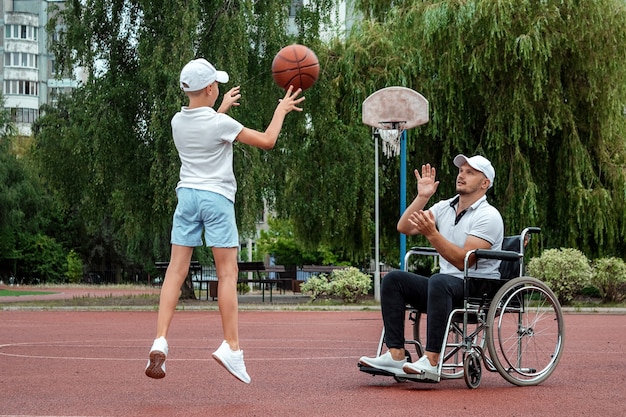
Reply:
x=526 y=336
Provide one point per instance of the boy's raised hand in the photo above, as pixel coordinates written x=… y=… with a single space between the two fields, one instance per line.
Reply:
x=231 y=98
x=290 y=101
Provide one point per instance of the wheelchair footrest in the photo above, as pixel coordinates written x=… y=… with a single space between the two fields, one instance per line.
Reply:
x=419 y=378
x=374 y=371
x=399 y=377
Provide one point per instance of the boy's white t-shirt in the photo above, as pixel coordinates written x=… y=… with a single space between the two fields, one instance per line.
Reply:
x=204 y=140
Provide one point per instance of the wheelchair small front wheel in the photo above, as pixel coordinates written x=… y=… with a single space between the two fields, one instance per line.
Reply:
x=472 y=371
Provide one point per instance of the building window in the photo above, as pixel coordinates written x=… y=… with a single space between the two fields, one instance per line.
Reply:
x=20 y=59
x=21 y=32
x=295 y=6
x=24 y=115
x=21 y=87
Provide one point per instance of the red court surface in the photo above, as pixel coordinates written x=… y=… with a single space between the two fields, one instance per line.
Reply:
x=302 y=363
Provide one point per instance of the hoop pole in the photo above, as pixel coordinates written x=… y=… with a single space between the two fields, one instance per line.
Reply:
x=402 y=194
x=376 y=215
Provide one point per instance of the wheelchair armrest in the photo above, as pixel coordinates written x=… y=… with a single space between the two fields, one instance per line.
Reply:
x=419 y=250
x=423 y=250
x=502 y=255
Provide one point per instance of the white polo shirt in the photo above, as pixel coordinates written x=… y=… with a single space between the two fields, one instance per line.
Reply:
x=482 y=220
x=204 y=140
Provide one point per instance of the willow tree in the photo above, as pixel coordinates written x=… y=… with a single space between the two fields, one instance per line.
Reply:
x=536 y=86
x=107 y=149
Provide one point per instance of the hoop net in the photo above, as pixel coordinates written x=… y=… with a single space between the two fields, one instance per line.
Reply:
x=390 y=133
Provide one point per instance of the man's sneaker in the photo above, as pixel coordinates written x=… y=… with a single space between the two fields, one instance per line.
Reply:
x=384 y=362
x=422 y=367
x=156 y=363
x=232 y=360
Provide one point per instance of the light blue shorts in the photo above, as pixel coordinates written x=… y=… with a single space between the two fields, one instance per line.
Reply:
x=199 y=210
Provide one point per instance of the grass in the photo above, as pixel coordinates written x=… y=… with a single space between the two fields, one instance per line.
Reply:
x=17 y=293
x=150 y=300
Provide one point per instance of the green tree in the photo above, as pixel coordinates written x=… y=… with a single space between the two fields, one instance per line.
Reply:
x=9 y=169
x=26 y=209
x=116 y=126
x=42 y=259
x=280 y=242
x=74 y=272
x=538 y=87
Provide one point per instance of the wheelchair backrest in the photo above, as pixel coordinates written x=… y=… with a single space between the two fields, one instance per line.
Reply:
x=510 y=269
x=478 y=290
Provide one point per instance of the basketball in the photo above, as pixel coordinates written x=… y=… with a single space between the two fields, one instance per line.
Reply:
x=295 y=65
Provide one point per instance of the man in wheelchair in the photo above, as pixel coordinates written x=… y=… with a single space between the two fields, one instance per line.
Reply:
x=453 y=227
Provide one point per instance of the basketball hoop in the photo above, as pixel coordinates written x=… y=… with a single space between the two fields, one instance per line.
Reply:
x=390 y=133
x=391 y=142
x=390 y=111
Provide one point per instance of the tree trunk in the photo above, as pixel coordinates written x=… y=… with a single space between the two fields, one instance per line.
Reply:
x=186 y=290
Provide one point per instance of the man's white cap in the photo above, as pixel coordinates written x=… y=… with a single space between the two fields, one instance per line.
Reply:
x=198 y=74
x=479 y=163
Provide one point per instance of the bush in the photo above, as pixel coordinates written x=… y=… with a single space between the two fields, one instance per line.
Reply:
x=348 y=284
x=43 y=259
x=317 y=285
x=74 y=271
x=243 y=288
x=566 y=271
x=609 y=277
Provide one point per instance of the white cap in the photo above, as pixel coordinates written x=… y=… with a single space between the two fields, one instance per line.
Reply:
x=479 y=163
x=198 y=74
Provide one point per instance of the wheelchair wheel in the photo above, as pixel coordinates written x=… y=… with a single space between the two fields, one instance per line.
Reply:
x=472 y=370
x=525 y=331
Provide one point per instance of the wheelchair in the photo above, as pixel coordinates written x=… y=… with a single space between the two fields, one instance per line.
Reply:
x=512 y=325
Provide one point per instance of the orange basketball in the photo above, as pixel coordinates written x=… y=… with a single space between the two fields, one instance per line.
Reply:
x=295 y=65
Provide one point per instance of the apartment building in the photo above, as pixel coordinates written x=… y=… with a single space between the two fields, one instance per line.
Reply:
x=27 y=70
x=27 y=67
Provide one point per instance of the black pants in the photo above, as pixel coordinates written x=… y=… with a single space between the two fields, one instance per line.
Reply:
x=437 y=296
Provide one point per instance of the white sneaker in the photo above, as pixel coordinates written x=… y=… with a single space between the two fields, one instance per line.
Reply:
x=422 y=367
x=156 y=364
x=384 y=362
x=232 y=360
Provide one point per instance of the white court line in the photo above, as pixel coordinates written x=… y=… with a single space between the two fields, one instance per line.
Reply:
x=80 y=358
x=90 y=344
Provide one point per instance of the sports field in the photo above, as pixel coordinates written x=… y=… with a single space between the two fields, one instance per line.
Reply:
x=302 y=363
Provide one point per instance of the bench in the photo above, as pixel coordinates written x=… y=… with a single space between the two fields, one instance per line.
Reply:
x=161 y=266
x=322 y=269
x=314 y=270
x=257 y=268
